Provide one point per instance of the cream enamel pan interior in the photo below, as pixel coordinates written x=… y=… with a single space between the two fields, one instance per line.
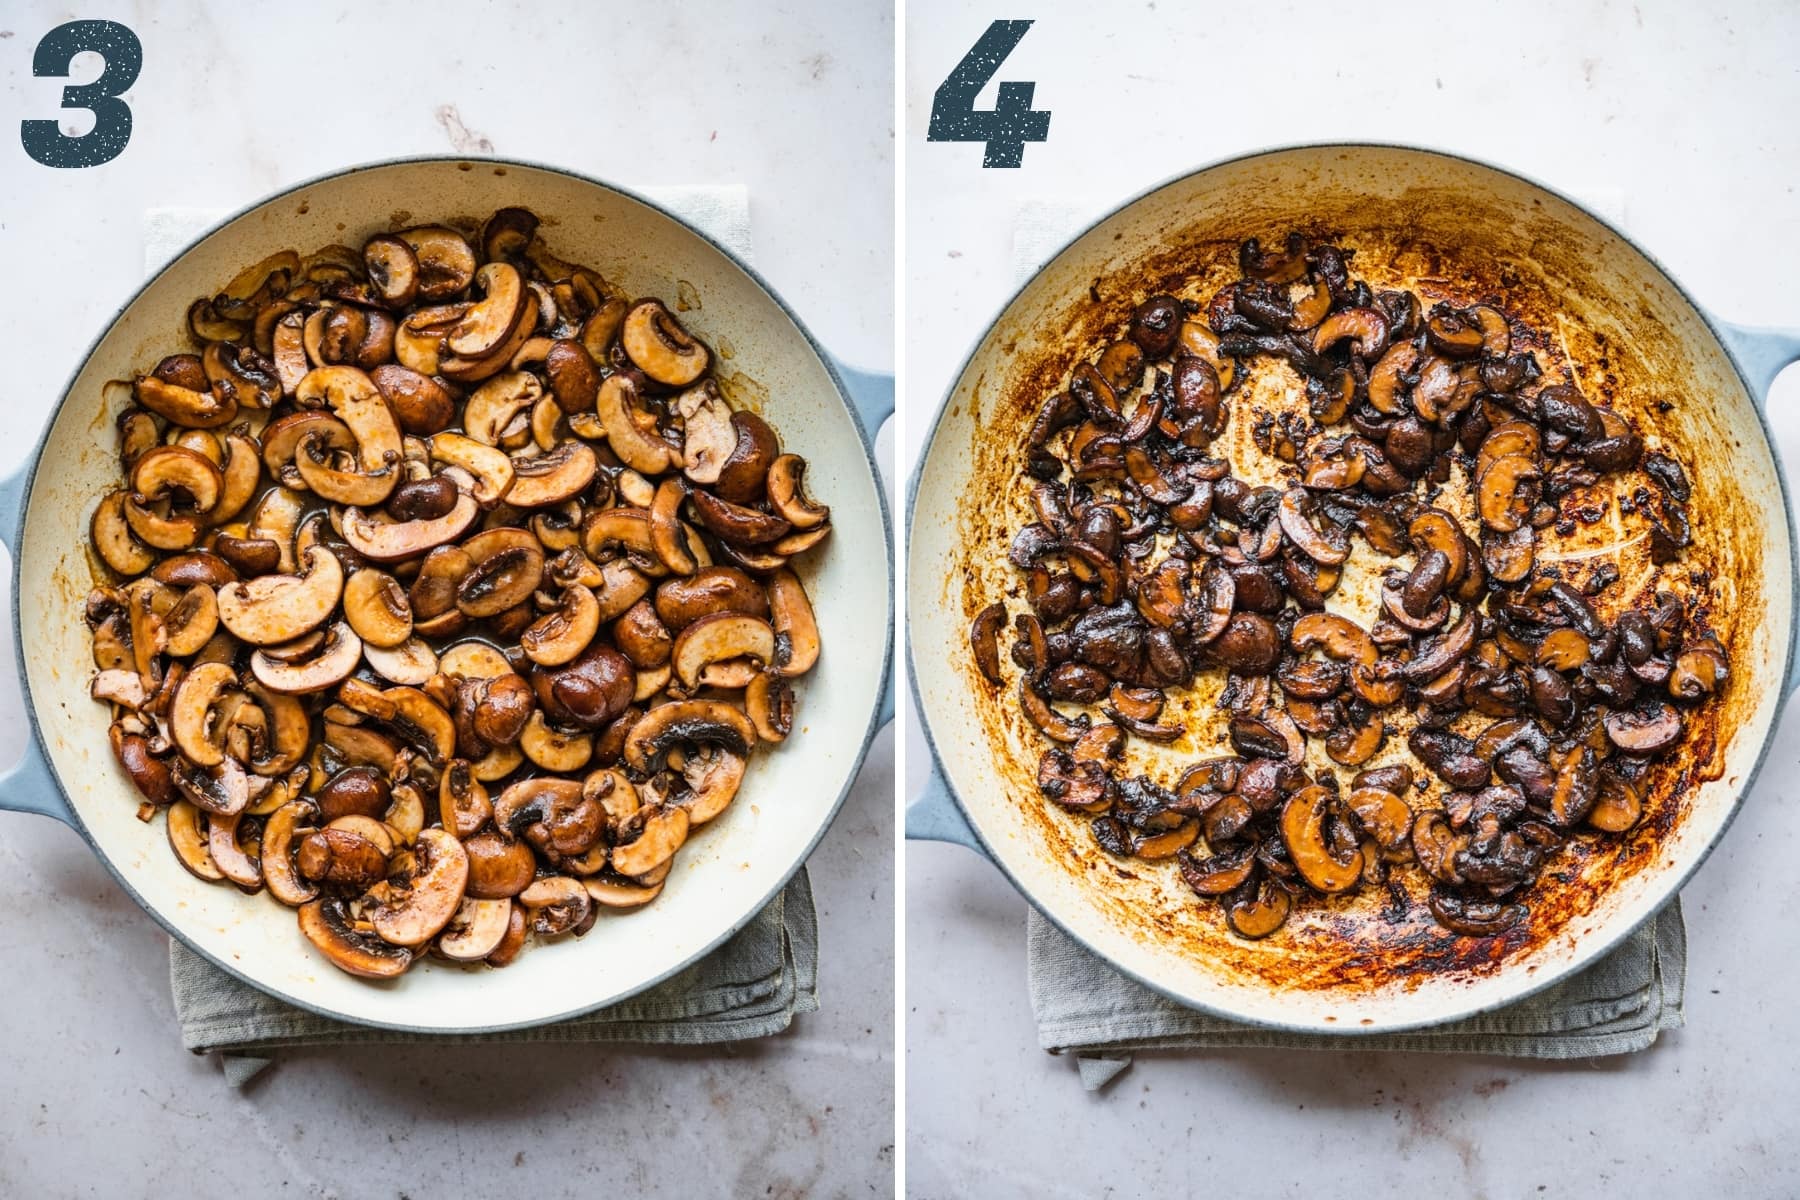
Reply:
x=729 y=870
x=1449 y=222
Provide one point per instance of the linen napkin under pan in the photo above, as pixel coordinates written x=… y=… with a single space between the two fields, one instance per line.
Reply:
x=1086 y=1008
x=749 y=987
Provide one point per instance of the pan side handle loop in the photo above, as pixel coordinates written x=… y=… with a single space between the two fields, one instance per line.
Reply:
x=1762 y=353
x=871 y=394
x=933 y=816
x=29 y=786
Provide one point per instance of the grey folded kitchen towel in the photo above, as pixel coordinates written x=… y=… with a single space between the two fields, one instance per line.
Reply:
x=749 y=987
x=1086 y=1008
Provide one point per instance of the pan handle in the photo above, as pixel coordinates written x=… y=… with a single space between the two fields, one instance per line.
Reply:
x=871 y=394
x=1761 y=352
x=30 y=785
x=933 y=816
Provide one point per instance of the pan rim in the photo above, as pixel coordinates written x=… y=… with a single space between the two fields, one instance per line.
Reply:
x=35 y=460
x=1584 y=957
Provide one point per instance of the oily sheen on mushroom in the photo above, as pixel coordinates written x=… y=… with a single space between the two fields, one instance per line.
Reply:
x=445 y=593
x=1200 y=491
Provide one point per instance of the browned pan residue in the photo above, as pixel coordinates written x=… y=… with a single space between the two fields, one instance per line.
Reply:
x=1372 y=940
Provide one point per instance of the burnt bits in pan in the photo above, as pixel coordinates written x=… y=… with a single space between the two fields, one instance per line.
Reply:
x=1477 y=714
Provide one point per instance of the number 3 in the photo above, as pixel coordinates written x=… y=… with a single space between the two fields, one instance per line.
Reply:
x=124 y=54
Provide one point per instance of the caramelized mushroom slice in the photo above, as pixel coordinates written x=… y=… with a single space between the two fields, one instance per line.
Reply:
x=413 y=911
x=796 y=629
x=327 y=924
x=658 y=345
x=1303 y=830
x=271 y=609
x=476 y=931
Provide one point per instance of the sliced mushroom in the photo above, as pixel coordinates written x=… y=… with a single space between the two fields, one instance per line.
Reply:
x=476 y=931
x=796 y=629
x=410 y=663
x=697 y=722
x=492 y=470
x=412 y=912
x=1303 y=831
x=393 y=541
x=552 y=750
x=562 y=634
x=328 y=925
x=114 y=540
x=552 y=477
x=271 y=609
x=1644 y=731
x=649 y=838
x=629 y=432
x=376 y=606
x=557 y=905
x=328 y=664
x=189 y=841
x=658 y=345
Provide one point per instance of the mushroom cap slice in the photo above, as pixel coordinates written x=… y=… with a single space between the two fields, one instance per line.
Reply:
x=552 y=477
x=336 y=658
x=1303 y=829
x=476 y=930
x=423 y=722
x=491 y=468
x=358 y=403
x=656 y=342
x=707 y=722
x=560 y=635
x=272 y=609
x=708 y=435
x=409 y=664
x=649 y=838
x=227 y=855
x=327 y=925
x=287 y=731
x=114 y=540
x=637 y=445
x=412 y=915
x=787 y=493
x=160 y=472
x=796 y=630
x=285 y=882
x=618 y=892
x=719 y=637
x=377 y=608
x=492 y=319
x=551 y=750
x=392 y=541
x=190 y=714
x=558 y=905
x=189 y=842
x=445 y=261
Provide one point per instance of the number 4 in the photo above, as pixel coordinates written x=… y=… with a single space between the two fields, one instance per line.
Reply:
x=1010 y=124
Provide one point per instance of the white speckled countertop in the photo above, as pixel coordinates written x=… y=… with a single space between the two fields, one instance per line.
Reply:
x=1686 y=111
x=794 y=102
